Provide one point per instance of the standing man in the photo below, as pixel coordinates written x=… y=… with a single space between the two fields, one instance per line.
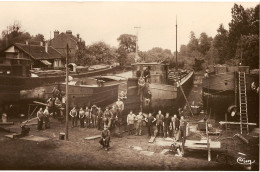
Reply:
x=81 y=117
x=139 y=124
x=130 y=122
x=166 y=125
x=105 y=138
x=141 y=84
x=147 y=75
x=183 y=124
x=74 y=114
x=99 y=118
x=46 y=117
x=40 y=117
x=107 y=117
x=93 y=112
x=119 y=109
x=58 y=105
x=87 y=116
x=150 y=120
x=173 y=124
x=159 y=122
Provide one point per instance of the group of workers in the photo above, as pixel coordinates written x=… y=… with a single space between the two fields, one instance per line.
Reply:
x=43 y=116
x=166 y=126
x=94 y=117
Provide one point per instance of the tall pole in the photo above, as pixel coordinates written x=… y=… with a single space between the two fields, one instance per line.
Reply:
x=176 y=66
x=67 y=96
x=136 y=42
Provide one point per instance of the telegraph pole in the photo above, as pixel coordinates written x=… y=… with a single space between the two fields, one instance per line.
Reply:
x=67 y=96
x=136 y=42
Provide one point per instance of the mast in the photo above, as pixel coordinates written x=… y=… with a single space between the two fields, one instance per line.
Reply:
x=67 y=95
x=136 y=42
x=176 y=65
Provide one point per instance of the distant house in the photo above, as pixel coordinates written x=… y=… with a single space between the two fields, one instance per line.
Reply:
x=60 y=41
x=20 y=58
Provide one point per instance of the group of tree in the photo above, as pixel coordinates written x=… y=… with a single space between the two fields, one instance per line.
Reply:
x=238 y=45
x=14 y=34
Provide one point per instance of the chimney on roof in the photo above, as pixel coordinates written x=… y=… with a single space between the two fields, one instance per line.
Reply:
x=41 y=43
x=78 y=36
x=46 y=47
x=56 y=33
x=69 y=32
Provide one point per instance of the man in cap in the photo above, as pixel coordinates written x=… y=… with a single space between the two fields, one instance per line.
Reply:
x=150 y=120
x=166 y=125
x=139 y=124
x=74 y=114
x=105 y=138
x=81 y=117
x=46 y=117
x=141 y=84
x=107 y=117
x=99 y=118
x=40 y=117
x=159 y=122
x=130 y=121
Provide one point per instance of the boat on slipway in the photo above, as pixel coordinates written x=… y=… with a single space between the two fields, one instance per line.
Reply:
x=164 y=86
x=220 y=88
x=13 y=87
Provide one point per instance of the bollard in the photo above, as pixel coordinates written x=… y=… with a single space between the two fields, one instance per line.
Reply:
x=62 y=136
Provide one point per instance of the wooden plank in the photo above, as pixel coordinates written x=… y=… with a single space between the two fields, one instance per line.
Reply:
x=152 y=139
x=229 y=122
x=34 y=138
x=93 y=137
x=6 y=123
x=195 y=144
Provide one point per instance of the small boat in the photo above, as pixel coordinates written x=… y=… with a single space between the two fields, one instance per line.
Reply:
x=165 y=92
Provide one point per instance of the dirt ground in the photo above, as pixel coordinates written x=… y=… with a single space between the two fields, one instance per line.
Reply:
x=126 y=153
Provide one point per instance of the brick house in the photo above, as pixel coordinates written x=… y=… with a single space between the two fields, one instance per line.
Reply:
x=60 y=41
x=20 y=58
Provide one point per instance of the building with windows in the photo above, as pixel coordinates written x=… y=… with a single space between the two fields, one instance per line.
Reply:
x=60 y=41
x=20 y=58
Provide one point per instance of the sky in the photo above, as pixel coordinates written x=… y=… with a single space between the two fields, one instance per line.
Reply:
x=106 y=21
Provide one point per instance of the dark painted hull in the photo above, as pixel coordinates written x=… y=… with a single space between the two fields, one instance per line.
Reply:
x=11 y=86
x=219 y=93
x=82 y=96
x=167 y=98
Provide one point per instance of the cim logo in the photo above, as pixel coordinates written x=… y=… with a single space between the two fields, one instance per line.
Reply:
x=245 y=161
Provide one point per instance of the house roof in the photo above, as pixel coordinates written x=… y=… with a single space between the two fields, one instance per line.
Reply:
x=38 y=52
x=72 y=37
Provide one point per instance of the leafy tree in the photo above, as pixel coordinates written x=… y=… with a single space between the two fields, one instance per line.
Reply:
x=239 y=25
x=220 y=45
x=204 y=43
x=122 y=55
x=248 y=50
x=37 y=38
x=13 y=34
x=193 y=44
x=96 y=53
x=128 y=42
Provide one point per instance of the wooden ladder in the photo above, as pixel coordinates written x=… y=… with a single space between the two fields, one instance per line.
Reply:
x=243 y=102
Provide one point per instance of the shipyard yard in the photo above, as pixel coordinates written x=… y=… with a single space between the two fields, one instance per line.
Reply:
x=132 y=152
x=165 y=86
